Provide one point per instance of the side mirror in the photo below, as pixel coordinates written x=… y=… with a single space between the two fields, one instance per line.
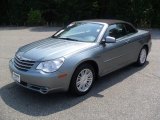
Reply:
x=110 y=39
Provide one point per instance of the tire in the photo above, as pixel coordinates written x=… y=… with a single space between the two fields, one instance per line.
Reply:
x=83 y=77
x=142 y=57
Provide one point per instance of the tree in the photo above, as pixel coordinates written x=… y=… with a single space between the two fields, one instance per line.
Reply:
x=144 y=13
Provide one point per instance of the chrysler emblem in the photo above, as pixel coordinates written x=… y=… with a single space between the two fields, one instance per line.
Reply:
x=20 y=56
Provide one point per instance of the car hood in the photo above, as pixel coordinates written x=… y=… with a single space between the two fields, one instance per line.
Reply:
x=51 y=48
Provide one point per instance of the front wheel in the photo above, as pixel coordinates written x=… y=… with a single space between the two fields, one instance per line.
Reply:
x=82 y=80
x=142 y=57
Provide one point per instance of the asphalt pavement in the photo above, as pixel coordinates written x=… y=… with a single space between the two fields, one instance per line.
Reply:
x=131 y=93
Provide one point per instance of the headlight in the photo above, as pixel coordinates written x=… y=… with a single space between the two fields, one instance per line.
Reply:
x=51 y=66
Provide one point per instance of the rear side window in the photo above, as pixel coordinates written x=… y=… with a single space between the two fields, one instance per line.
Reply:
x=130 y=29
x=116 y=31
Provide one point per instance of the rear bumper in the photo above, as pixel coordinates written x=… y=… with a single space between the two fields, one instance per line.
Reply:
x=39 y=81
x=150 y=46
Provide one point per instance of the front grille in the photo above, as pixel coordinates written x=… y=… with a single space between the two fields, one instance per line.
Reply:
x=23 y=65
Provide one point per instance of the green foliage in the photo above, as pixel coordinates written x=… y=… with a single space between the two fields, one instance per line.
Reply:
x=34 y=17
x=142 y=13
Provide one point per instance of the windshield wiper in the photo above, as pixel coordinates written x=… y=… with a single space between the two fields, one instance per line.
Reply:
x=68 y=39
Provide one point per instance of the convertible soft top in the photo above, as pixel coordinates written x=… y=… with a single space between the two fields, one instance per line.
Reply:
x=108 y=21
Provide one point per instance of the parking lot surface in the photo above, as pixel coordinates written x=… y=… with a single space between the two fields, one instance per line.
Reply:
x=131 y=93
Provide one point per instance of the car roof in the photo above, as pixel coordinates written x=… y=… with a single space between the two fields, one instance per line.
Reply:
x=107 y=21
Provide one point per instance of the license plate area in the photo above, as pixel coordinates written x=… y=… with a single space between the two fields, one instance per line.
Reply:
x=16 y=77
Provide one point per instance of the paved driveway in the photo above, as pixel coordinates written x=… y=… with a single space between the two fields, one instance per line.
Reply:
x=128 y=94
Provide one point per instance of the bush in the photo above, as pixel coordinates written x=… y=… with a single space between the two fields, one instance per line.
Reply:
x=50 y=16
x=34 y=17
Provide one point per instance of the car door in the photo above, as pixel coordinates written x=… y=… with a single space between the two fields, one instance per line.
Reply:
x=132 y=42
x=115 y=55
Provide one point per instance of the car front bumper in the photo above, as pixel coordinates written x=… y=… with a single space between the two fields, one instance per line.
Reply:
x=39 y=81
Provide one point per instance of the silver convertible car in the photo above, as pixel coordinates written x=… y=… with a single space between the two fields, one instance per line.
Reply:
x=73 y=58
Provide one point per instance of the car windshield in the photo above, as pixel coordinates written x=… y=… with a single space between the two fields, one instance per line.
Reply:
x=80 y=31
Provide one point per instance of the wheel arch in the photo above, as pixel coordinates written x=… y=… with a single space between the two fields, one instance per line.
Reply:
x=91 y=62
x=147 y=48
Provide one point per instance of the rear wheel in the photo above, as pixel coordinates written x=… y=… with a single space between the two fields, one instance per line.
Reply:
x=82 y=80
x=142 y=57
